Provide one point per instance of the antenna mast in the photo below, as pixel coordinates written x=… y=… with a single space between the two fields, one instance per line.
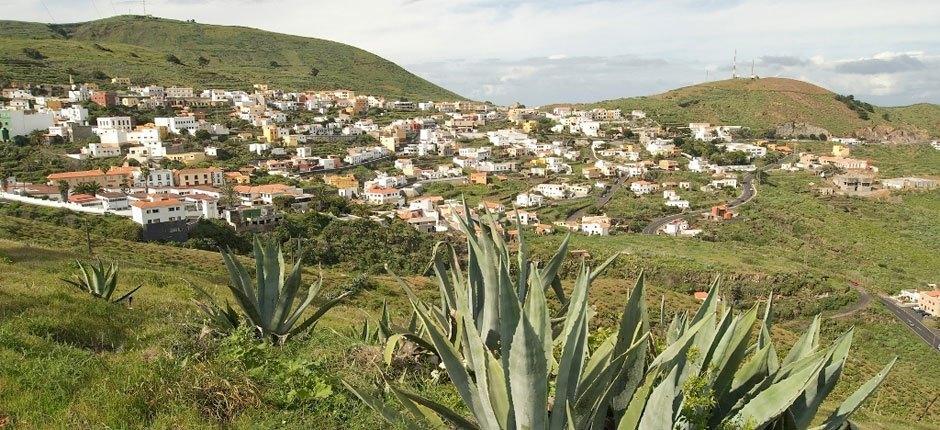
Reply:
x=734 y=65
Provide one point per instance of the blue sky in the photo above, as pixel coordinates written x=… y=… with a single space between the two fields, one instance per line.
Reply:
x=547 y=51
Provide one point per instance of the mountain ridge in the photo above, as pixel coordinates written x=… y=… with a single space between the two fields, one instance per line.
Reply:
x=139 y=47
x=764 y=103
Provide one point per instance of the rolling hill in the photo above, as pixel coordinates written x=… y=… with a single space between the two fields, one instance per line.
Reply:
x=140 y=47
x=762 y=104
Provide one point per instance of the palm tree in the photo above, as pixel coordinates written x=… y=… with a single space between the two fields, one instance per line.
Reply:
x=145 y=174
x=63 y=190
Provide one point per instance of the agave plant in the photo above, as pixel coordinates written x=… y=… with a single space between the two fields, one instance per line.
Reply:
x=99 y=280
x=708 y=374
x=490 y=268
x=267 y=299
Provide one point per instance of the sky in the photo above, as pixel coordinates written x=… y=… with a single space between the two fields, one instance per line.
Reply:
x=547 y=51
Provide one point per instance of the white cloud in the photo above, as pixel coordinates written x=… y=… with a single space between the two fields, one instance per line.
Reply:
x=889 y=38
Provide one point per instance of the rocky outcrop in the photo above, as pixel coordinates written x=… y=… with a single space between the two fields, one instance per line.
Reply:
x=799 y=130
x=890 y=134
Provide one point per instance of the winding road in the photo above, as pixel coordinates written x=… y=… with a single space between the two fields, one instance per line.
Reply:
x=602 y=200
x=747 y=193
x=913 y=322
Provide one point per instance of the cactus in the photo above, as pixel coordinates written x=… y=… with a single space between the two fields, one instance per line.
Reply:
x=99 y=280
x=494 y=335
x=267 y=300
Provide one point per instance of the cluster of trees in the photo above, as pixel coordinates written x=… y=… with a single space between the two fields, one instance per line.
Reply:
x=359 y=245
x=711 y=151
x=860 y=107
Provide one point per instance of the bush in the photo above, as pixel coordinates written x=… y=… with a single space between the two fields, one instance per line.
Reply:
x=170 y=58
x=34 y=54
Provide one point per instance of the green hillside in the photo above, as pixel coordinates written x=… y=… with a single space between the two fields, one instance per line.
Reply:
x=762 y=104
x=67 y=361
x=237 y=57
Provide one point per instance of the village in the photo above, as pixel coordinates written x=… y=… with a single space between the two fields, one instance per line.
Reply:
x=246 y=157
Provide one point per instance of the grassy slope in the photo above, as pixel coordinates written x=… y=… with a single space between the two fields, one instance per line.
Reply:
x=239 y=57
x=66 y=360
x=71 y=354
x=762 y=104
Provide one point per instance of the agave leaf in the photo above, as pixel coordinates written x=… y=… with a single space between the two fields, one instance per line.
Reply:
x=634 y=413
x=128 y=294
x=677 y=349
x=819 y=387
x=392 y=343
x=710 y=305
x=372 y=401
x=319 y=313
x=458 y=374
x=806 y=344
x=528 y=376
x=536 y=310
x=445 y=412
x=550 y=272
x=838 y=419
x=418 y=410
x=663 y=402
x=569 y=370
x=777 y=398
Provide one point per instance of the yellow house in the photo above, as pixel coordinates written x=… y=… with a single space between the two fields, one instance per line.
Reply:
x=530 y=126
x=389 y=142
x=840 y=151
x=291 y=140
x=187 y=157
x=271 y=133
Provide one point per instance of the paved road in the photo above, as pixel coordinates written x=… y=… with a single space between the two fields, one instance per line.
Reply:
x=602 y=200
x=913 y=321
x=747 y=193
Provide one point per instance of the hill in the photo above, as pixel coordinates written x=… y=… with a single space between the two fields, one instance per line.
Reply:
x=69 y=361
x=764 y=103
x=140 y=47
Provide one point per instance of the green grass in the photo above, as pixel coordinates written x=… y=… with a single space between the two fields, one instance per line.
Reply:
x=136 y=47
x=764 y=103
x=67 y=360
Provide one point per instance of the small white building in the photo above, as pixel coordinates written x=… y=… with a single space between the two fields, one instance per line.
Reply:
x=157 y=209
x=528 y=200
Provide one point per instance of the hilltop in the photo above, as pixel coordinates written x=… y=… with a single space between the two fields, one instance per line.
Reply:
x=141 y=48
x=764 y=103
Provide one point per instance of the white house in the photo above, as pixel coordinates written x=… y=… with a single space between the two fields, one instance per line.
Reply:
x=642 y=187
x=101 y=150
x=595 y=225
x=21 y=123
x=156 y=210
x=123 y=123
x=552 y=191
x=660 y=147
x=178 y=124
x=528 y=200
x=383 y=196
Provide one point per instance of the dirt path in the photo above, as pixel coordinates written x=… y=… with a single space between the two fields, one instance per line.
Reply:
x=864 y=298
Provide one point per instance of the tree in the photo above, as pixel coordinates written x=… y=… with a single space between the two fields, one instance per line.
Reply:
x=145 y=175
x=283 y=202
x=90 y=188
x=830 y=170
x=229 y=198
x=203 y=135
x=63 y=190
